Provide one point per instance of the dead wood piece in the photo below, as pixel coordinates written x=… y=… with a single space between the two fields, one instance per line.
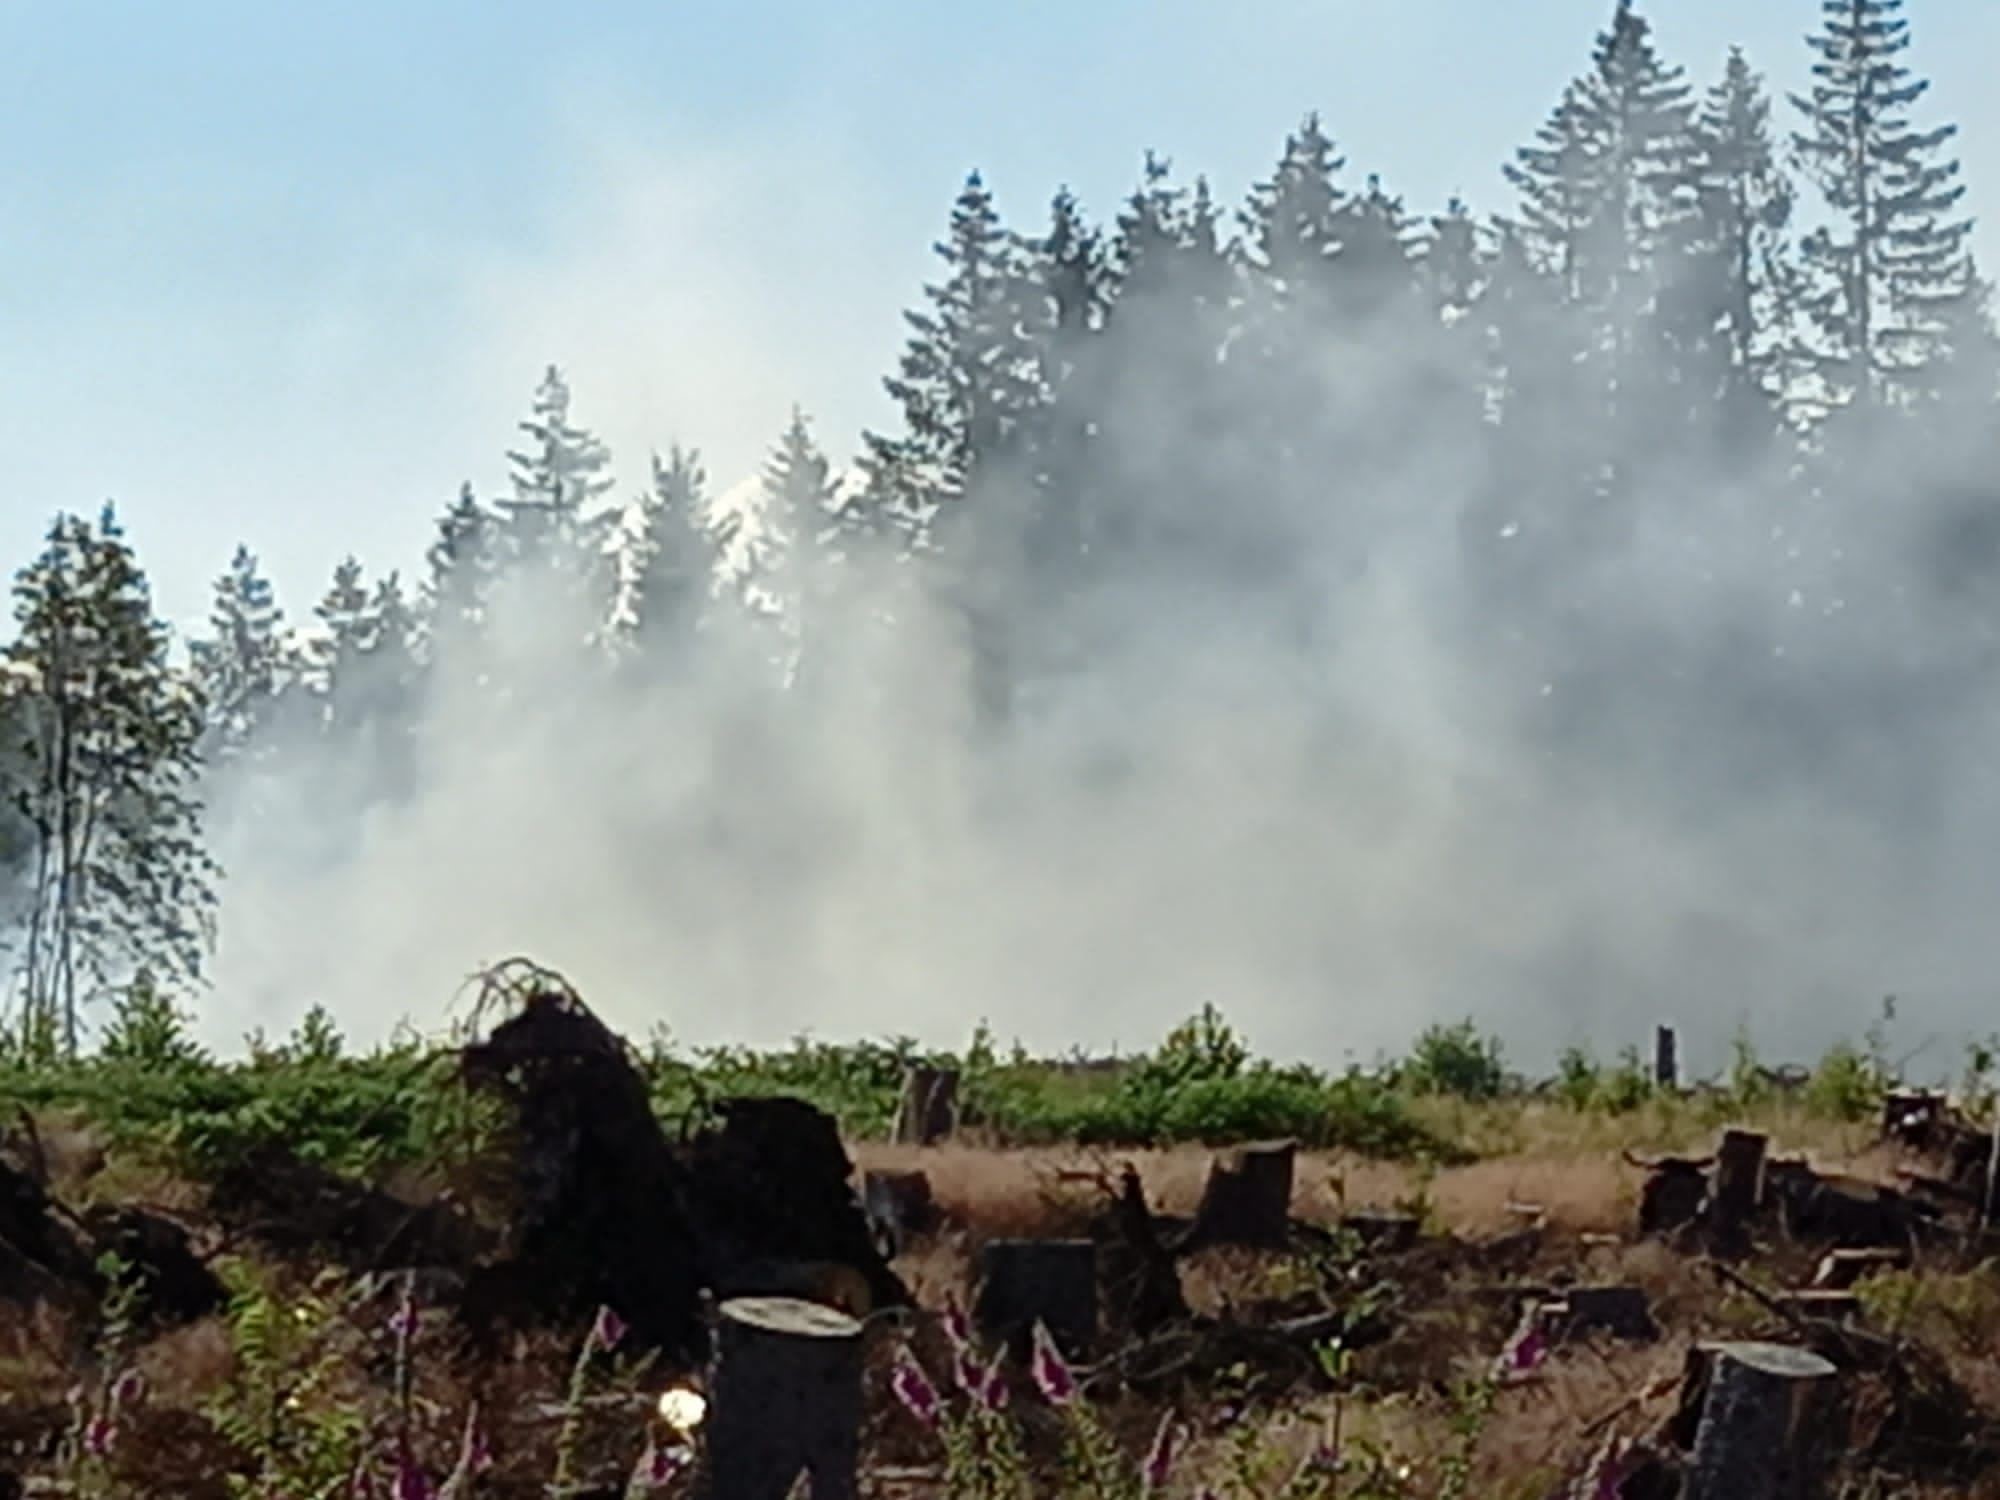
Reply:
x=600 y=1213
x=1765 y=1427
x=1673 y=1194
x=1840 y=1269
x=785 y=1401
x=1382 y=1233
x=772 y=1183
x=928 y=1110
x=172 y=1284
x=295 y=1205
x=1851 y=1212
x=1818 y=1302
x=1024 y=1282
x=1248 y=1198
x=1139 y=1281
x=1622 y=1312
x=899 y=1207
x=1666 y=1058
x=1737 y=1190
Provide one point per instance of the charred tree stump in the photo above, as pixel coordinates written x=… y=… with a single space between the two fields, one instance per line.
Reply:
x=1739 y=1187
x=1763 y=1432
x=1666 y=1059
x=928 y=1111
x=1839 y=1270
x=899 y=1207
x=1247 y=1199
x=1382 y=1233
x=1142 y=1285
x=785 y=1400
x=1023 y=1282
x=1675 y=1191
x=1623 y=1312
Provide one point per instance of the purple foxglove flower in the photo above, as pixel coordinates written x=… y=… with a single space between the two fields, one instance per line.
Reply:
x=992 y=1389
x=404 y=1320
x=956 y=1329
x=412 y=1483
x=1525 y=1351
x=1052 y=1374
x=913 y=1388
x=608 y=1331
x=1159 y=1464
x=965 y=1373
x=1607 y=1479
x=656 y=1468
x=100 y=1436
x=129 y=1389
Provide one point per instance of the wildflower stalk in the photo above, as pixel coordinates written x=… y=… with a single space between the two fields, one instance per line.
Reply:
x=604 y=1335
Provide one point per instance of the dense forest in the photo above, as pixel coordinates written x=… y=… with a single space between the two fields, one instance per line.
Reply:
x=1237 y=581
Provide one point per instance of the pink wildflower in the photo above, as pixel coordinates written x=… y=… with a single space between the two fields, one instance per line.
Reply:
x=1159 y=1464
x=100 y=1436
x=404 y=1320
x=1052 y=1374
x=956 y=1329
x=608 y=1331
x=965 y=1372
x=913 y=1388
x=1525 y=1351
x=992 y=1389
x=411 y=1482
x=656 y=1468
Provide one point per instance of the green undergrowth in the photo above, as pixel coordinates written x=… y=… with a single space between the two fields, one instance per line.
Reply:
x=149 y=1089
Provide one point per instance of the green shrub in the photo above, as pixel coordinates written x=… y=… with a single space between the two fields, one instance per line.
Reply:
x=1455 y=1060
x=1847 y=1085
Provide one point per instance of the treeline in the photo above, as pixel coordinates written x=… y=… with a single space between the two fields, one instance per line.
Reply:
x=1702 y=425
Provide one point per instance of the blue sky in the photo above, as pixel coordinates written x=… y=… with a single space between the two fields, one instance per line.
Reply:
x=287 y=274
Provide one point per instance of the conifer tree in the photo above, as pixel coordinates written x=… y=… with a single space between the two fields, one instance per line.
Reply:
x=1889 y=268
x=463 y=561
x=243 y=666
x=676 y=553
x=970 y=380
x=1742 y=291
x=553 y=527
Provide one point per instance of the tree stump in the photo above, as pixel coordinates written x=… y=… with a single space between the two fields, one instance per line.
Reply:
x=1620 y=1311
x=928 y=1111
x=1739 y=1187
x=1764 y=1430
x=1666 y=1059
x=1022 y=1282
x=1247 y=1199
x=899 y=1207
x=785 y=1400
x=1841 y=1269
x=1382 y=1233
x=1673 y=1195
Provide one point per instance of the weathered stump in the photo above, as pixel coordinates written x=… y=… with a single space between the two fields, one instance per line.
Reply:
x=1738 y=1189
x=785 y=1400
x=928 y=1110
x=1840 y=1269
x=899 y=1207
x=1666 y=1059
x=1763 y=1432
x=1623 y=1312
x=1247 y=1199
x=1022 y=1282
x=1673 y=1195
x=1382 y=1233
x=1141 y=1284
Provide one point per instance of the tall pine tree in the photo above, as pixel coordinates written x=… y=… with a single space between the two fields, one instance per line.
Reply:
x=1888 y=269
x=243 y=667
